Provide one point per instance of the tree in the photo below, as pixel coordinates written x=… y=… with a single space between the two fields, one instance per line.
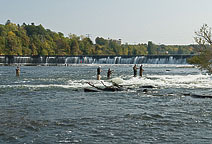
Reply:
x=13 y=44
x=75 y=47
x=2 y=45
x=86 y=46
x=100 y=41
x=180 y=50
x=33 y=49
x=151 y=48
x=203 y=39
x=203 y=36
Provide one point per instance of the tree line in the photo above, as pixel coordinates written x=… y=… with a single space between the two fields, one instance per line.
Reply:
x=31 y=39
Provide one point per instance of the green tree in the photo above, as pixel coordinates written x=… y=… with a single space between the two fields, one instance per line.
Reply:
x=203 y=38
x=86 y=46
x=100 y=41
x=13 y=44
x=75 y=47
x=33 y=49
x=2 y=45
x=180 y=50
x=151 y=48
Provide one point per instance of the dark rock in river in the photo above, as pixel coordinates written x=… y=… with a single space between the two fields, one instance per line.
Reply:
x=147 y=86
x=198 y=96
x=90 y=90
x=145 y=90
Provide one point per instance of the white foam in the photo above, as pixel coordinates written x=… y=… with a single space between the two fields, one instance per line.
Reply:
x=166 y=81
x=175 y=81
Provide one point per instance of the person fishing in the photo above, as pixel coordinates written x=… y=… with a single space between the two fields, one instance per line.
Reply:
x=109 y=72
x=141 y=71
x=98 y=73
x=17 y=71
x=135 y=70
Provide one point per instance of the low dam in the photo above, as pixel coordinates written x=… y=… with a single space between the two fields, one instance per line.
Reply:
x=66 y=60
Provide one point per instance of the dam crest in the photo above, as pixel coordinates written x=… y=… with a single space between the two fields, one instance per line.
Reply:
x=66 y=60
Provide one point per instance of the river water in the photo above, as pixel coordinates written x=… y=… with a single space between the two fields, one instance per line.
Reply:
x=47 y=104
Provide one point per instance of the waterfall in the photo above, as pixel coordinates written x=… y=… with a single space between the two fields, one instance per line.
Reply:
x=2 y=59
x=66 y=60
x=117 y=60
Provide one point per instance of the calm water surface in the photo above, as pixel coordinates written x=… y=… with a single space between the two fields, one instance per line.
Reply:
x=48 y=105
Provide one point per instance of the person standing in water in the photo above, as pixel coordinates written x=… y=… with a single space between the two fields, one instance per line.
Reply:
x=17 y=71
x=98 y=73
x=135 y=70
x=141 y=71
x=109 y=72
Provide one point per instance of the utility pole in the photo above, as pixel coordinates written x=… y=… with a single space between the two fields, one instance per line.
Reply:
x=88 y=35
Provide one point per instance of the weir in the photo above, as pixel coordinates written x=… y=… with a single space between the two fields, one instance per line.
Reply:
x=66 y=60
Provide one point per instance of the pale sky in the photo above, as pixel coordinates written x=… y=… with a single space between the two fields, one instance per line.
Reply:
x=133 y=21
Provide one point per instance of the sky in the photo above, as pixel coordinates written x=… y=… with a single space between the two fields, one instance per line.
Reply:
x=134 y=21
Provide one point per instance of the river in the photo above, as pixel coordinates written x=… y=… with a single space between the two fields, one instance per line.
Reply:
x=47 y=104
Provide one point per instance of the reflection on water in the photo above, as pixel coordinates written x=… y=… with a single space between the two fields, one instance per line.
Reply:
x=48 y=105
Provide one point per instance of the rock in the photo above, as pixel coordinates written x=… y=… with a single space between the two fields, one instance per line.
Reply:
x=90 y=90
x=198 y=96
x=147 y=86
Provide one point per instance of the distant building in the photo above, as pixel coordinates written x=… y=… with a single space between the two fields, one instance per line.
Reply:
x=118 y=41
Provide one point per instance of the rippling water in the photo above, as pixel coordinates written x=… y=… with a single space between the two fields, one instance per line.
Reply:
x=48 y=105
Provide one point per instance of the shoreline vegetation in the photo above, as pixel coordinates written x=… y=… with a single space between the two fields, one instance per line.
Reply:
x=31 y=39
x=204 y=40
